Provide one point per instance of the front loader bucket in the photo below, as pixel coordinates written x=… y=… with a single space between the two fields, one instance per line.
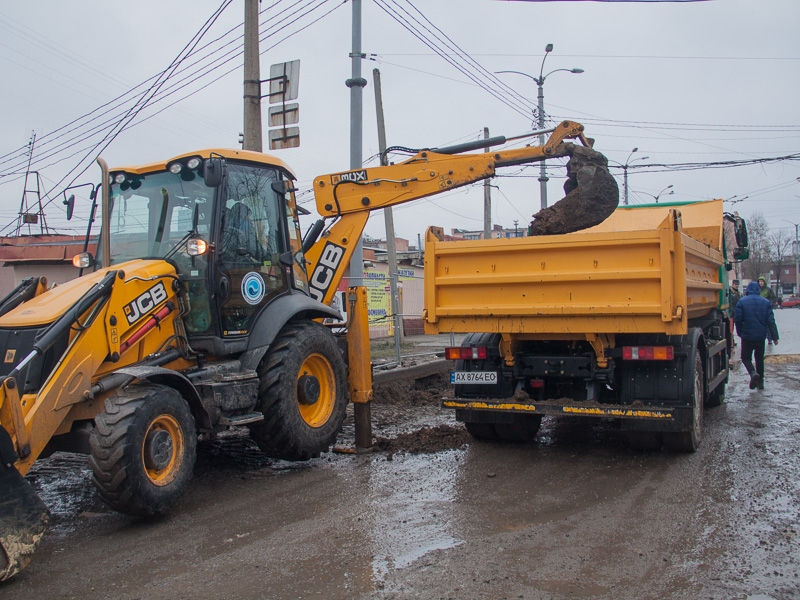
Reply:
x=23 y=519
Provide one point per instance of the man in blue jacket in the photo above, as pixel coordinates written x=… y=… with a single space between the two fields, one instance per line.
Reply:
x=754 y=321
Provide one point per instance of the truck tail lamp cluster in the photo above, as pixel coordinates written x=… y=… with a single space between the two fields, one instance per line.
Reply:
x=648 y=353
x=465 y=353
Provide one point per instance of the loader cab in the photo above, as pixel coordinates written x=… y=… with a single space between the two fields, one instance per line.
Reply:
x=229 y=226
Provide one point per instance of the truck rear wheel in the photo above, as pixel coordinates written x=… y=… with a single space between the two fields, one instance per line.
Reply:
x=143 y=450
x=481 y=431
x=523 y=429
x=689 y=441
x=716 y=397
x=302 y=392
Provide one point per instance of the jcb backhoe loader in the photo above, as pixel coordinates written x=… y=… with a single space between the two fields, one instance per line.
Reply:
x=203 y=312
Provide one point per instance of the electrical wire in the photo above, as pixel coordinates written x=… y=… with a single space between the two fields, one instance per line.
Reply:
x=301 y=10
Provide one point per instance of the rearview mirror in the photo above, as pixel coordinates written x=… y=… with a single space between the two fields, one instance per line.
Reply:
x=212 y=172
x=740 y=231
x=70 y=204
x=741 y=254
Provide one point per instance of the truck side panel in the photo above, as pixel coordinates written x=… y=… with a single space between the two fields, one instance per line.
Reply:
x=598 y=283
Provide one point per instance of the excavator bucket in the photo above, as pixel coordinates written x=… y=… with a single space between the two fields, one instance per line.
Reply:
x=592 y=195
x=23 y=515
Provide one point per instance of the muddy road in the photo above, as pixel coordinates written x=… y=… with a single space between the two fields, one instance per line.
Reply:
x=432 y=514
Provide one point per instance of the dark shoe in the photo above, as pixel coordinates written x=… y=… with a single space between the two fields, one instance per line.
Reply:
x=760 y=382
x=769 y=342
x=754 y=380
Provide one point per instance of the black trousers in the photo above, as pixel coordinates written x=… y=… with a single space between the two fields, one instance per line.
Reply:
x=748 y=348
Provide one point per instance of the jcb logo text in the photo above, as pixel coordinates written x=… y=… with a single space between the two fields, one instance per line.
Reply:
x=323 y=273
x=144 y=303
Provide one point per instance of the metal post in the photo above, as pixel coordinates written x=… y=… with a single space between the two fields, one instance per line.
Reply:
x=796 y=261
x=542 y=168
x=356 y=84
x=362 y=412
x=388 y=217
x=252 y=79
x=487 y=198
x=625 y=181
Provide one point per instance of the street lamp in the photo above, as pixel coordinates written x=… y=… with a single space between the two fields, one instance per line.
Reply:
x=659 y=194
x=540 y=83
x=628 y=161
x=796 y=252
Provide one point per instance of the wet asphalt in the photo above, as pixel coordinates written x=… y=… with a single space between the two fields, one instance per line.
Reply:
x=578 y=514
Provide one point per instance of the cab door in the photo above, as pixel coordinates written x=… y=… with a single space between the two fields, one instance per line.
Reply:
x=250 y=241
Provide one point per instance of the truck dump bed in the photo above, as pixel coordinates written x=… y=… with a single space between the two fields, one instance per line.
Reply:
x=644 y=270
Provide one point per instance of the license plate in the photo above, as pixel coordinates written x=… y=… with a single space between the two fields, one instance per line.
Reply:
x=474 y=377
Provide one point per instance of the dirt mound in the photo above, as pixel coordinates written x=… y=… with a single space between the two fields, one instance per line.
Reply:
x=425 y=391
x=592 y=195
x=427 y=439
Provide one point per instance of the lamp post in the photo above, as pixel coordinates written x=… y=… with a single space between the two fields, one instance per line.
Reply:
x=659 y=194
x=796 y=252
x=540 y=83
x=628 y=161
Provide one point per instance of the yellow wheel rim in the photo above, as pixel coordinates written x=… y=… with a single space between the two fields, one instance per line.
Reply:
x=316 y=414
x=162 y=450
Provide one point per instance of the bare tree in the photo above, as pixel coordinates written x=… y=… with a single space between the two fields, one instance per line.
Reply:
x=760 y=256
x=780 y=249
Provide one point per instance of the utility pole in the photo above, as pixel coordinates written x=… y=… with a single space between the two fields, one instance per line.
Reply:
x=542 y=167
x=251 y=139
x=487 y=197
x=362 y=411
x=796 y=252
x=356 y=84
x=796 y=262
x=391 y=248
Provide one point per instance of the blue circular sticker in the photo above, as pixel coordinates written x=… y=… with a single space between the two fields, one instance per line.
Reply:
x=253 y=288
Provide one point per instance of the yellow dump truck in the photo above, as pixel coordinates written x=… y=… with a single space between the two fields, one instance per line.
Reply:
x=628 y=319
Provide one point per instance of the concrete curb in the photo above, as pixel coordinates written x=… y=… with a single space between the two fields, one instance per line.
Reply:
x=419 y=371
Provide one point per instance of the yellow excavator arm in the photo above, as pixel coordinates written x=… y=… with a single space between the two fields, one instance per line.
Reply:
x=351 y=195
x=430 y=172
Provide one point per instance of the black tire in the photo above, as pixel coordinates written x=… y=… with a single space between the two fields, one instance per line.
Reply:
x=481 y=431
x=143 y=450
x=716 y=397
x=689 y=441
x=647 y=441
x=522 y=430
x=303 y=393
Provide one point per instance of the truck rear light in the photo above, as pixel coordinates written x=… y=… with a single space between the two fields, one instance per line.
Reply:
x=648 y=353
x=465 y=353
x=537 y=384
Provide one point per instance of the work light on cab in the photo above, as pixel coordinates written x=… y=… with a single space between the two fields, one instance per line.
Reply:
x=82 y=260
x=196 y=247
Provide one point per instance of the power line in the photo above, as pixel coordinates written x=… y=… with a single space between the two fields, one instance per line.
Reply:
x=159 y=92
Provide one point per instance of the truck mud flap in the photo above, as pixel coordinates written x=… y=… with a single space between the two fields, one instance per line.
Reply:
x=23 y=515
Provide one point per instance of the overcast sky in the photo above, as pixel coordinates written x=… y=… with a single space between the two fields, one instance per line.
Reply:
x=688 y=82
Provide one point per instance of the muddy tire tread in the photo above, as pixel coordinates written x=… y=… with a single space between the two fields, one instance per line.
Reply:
x=283 y=433
x=114 y=449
